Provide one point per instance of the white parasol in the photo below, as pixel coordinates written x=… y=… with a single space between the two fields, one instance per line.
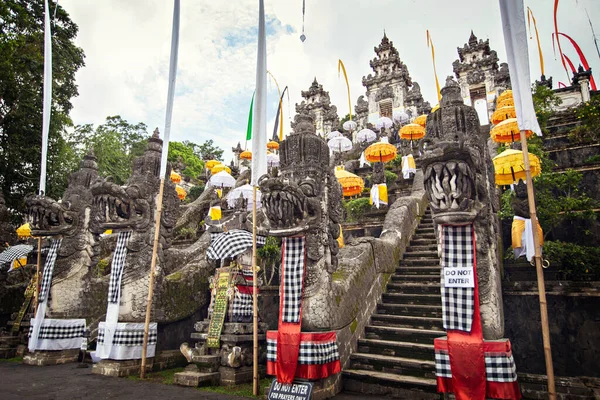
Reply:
x=222 y=179
x=366 y=135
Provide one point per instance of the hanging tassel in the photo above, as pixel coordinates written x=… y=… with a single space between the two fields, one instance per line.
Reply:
x=537 y=36
x=573 y=70
x=437 y=83
x=343 y=69
x=562 y=58
x=581 y=58
x=303 y=36
x=249 y=129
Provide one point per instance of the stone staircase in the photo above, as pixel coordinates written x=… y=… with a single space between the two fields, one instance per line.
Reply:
x=396 y=357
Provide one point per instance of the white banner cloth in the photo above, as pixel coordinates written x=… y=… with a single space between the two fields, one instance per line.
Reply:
x=128 y=340
x=59 y=334
x=259 y=121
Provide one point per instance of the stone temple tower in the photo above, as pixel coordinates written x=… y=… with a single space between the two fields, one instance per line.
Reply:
x=391 y=89
x=479 y=77
x=317 y=104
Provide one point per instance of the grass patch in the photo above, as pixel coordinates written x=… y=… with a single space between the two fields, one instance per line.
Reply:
x=12 y=360
x=239 y=390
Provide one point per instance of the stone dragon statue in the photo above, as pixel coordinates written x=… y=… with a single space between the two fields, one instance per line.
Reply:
x=459 y=180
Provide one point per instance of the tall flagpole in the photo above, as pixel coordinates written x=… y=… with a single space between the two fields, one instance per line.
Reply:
x=259 y=164
x=515 y=40
x=163 y=171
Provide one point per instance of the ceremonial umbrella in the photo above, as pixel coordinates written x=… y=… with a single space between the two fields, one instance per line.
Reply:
x=334 y=134
x=400 y=117
x=384 y=122
x=220 y=168
x=211 y=163
x=506 y=131
x=222 y=179
x=509 y=166
x=14 y=253
x=246 y=155
x=231 y=243
x=381 y=151
x=366 y=135
x=351 y=184
x=272 y=160
x=504 y=95
x=24 y=231
x=350 y=126
x=507 y=101
x=412 y=132
x=244 y=191
x=273 y=145
x=503 y=113
x=340 y=144
x=181 y=193
x=420 y=120
x=175 y=177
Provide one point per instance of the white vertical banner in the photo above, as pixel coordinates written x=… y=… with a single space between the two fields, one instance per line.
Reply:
x=259 y=125
x=47 y=97
x=515 y=40
x=171 y=91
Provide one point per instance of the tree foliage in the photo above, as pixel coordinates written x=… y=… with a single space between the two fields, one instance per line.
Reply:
x=544 y=103
x=588 y=115
x=207 y=150
x=183 y=159
x=21 y=81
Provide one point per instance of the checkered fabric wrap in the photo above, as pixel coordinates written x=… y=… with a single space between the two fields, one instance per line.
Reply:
x=118 y=263
x=310 y=352
x=14 y=253
x=60 y=332
x=498 y=367
x=129 y=337
x=457 y=303
x=49 y=269
x=231 y=243
x=241 y=306
x=293 y=278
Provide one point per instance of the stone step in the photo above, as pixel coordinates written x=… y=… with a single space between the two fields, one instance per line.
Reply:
x=427 y=247
x=419 y=235
x=396 y=365
x=410 y=253
x=377 y=383
x=412 y=298
x=422 y=287
x=420 y=351
x=409 y=309
x=425 y=270
x=407 y=321
x=425 y=262
x=426 y=223
x=424 y=336
x=9 y=341
x=407 y=278
x=423 y=242
x=424 y=231
x=24 y=324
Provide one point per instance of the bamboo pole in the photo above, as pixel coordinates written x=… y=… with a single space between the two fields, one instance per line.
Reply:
x=159 y=201
x=254 y=299
x=37 y=275
x=540 y=273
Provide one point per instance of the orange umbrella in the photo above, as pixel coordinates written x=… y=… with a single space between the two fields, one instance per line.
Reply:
x=175 y=177
x=506 y=94
x=273 y=145
x=351 y=184
x=509 y=166
x=412 y=132
x=507 y=131
x=381 y=151
x=246 y=155
x=420 y=120
x=181 y=193
x=502 y=114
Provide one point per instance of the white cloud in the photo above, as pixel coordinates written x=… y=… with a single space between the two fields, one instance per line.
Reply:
x=127 y=51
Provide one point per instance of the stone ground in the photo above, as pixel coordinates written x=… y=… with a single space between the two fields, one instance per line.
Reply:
x=18 y=381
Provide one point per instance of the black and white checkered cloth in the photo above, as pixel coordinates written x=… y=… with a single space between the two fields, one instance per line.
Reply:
x=129 y=337
x=310 y=352
x=231 y=243
x=498 y=367
x=241 y=307
x=458 y=304
x=49 y=270
x=293 y=278
x=60 y=332
x=14 y=253
x=118 y=263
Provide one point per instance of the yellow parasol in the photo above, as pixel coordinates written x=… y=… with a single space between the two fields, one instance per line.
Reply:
x=503 y=113
x=211 y=163
x=175 y=177
x=220 y=167
x=505 y=102
x=380 y=152
x=507 y=131
x=420 y=120
x=24 y=231
x=181 y=193
x=509 y=166
x=273 y=145
x=504 y=95
x=351 y=184
x=246 y=155
x=412 y=132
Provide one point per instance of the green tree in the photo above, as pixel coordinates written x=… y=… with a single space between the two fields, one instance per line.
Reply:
x=208 y=150
x=116 y=143
x=21 y=81
x=544 y=103
x=183 y=158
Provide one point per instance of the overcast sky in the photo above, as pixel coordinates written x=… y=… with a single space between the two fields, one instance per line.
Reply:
x=127 y=45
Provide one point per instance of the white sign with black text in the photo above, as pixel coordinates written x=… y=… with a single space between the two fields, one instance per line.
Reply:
x=459 y=277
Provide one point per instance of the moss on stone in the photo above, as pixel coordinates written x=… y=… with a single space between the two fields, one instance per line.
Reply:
x=353 y=325
x=338 y=299
x=175 y=276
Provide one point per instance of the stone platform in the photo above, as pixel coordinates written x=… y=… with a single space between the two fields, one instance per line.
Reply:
x=120 y=368
x=51 y=357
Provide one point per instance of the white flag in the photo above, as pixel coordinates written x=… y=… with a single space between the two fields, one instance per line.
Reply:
x=47 y=98
x=259 y=126
x=515 y=40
